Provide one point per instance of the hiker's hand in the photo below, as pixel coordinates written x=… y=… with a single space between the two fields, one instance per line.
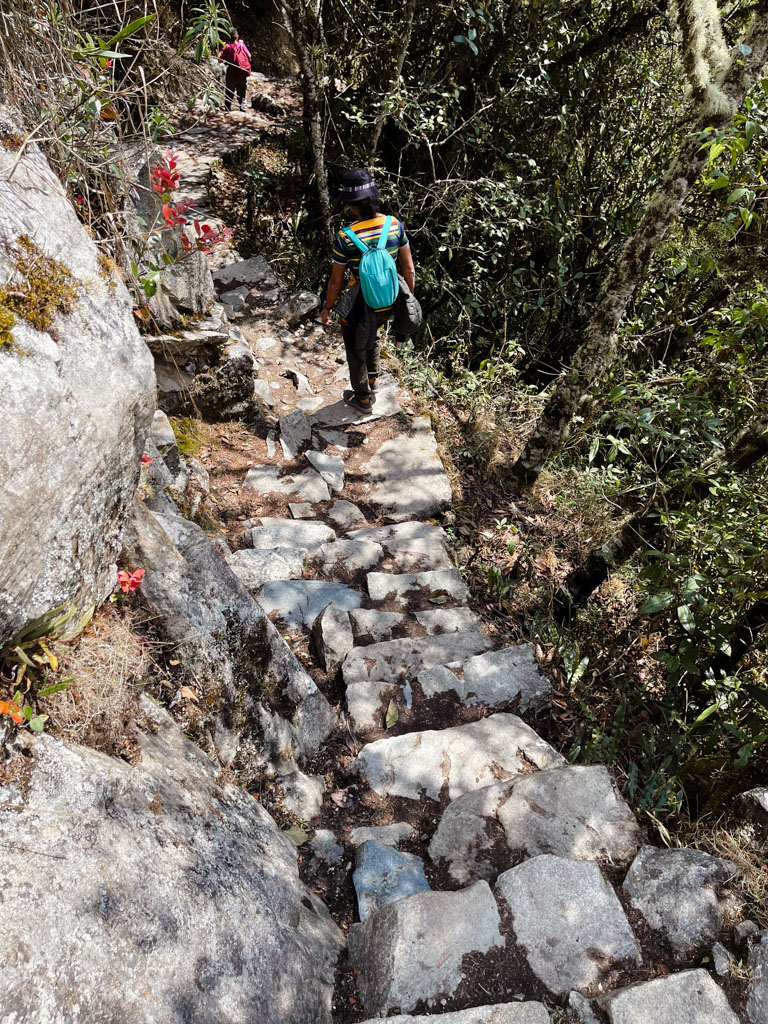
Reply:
x=324 y=316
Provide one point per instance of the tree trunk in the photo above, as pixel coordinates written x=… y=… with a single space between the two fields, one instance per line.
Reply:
x=296 y=20
x=410 y=10
x=643 y=528
x=598 y=349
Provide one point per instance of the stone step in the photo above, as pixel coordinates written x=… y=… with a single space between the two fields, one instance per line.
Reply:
x=494 y=678
x=408 y=477
x=383 y=874
x=401 y=660
x=348 y=555
x=417 y=588
x=415 y=546
x=299 y=602
x=572 y=811
x=462 y=758
x=372 y=624
x=689 y=996
x=498 y=1013
x=307 y=485
x=415 y=950
x=254 y=567
x=301 y=535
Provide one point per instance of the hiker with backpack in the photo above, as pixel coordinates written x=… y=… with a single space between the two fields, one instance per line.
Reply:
x=237 y=57
x=367 y=249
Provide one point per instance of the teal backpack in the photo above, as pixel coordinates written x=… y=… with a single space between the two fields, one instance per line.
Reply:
x=378 y=273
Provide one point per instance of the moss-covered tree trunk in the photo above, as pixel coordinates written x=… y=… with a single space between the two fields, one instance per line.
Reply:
x=598 y=349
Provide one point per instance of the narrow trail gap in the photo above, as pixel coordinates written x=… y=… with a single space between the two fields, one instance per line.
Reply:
x=332 y=519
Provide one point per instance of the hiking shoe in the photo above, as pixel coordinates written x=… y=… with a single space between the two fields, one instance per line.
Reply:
x=373 y=383
x=364 y=404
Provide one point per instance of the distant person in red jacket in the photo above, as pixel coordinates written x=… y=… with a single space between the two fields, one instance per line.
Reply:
x=238 y=60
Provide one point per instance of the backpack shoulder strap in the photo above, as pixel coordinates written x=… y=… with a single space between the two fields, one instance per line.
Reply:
x=358 y=242
x=384 y=236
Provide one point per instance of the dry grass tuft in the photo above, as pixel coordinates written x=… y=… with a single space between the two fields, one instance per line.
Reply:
x=108 y=668
x=739 y=843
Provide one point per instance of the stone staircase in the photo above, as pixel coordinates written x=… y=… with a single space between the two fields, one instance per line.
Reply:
x=496 y=882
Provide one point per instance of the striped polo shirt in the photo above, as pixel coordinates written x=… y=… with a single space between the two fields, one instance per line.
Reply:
x=346 y=253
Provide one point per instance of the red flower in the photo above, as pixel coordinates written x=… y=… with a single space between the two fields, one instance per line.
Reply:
x=107 y=63
x=147 y=460
x=79 y=200
x=128 y=582
x=10 y=707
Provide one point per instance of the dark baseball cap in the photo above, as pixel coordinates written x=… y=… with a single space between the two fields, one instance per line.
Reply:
x=358 y=184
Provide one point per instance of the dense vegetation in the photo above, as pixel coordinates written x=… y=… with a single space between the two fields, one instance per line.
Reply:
x=583 y=184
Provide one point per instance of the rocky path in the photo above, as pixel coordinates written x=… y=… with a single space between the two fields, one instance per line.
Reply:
x=480 y=878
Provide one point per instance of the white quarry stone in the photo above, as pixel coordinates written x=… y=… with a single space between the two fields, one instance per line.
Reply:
x=677 y=998
x=310 y=404
x=449 y=620
x=253 y=273
x=265 y=342
x=303 y=794
x=297 y=534
x=339 y=414
x=346 y=515
x=370 y=622
x=463 y=758
x=412 y=950
x=299 y=602
x=236 y=298
x=300 y=381
x=165 y=441
x=254 y=567
x=400 y=585
x=323 y=844
x=352 y=555
x=367 y=703
x=493 y=678
x=295 y=433
x=391 y=835
x=271 y=443
x=571 y=811
x=567 y=920
x=674 y=890
x=757 y=992
x=383 y=875
x=499 y=1013
x=301 y=509
x=332 y=634
x=395 y=660
x=330 y=468
x=408 y=477
x=308 y=486
x=416 y=547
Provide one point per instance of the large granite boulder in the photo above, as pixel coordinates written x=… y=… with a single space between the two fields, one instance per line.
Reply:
x=154 y=895
x=77 y=398
x=261 y=705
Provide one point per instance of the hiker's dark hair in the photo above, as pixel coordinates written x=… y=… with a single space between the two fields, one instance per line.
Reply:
x=369 y=208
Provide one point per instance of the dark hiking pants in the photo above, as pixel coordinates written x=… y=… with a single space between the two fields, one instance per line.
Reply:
x=235 y=85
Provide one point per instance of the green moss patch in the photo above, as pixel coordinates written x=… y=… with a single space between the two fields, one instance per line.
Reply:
x=40 y=287
x=7 y=321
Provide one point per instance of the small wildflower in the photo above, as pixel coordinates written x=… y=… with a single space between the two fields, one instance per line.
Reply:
x=129 y=581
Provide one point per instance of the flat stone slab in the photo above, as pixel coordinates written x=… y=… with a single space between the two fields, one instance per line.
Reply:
x=677 y=998
x=297 y=534
x=412 y=950
x=299 y=602
x=334 y=437
x=254 y=273
x=255 y=567
x=301 y=509
x=352 y=555
x=303 y=794
x=409 y=480
x=463 y=758
x=567 y=920
x=574 y=811
x=346 y=515
x=300 y=381
x=674 y=890
x=392 y=835
x=269 y=479
x=494 y=678
x=399 y=586
x=339 y=414
x=757 y=993
x=310 y=404
x=415 y=546
x=367 y=704
x=330 y=468
x=499 y=1013
x=295 y=433
x=324 y=846
x=399 y=660
x=332 y=634
x=378 y=625
x=449 y=620
x=383 y=874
